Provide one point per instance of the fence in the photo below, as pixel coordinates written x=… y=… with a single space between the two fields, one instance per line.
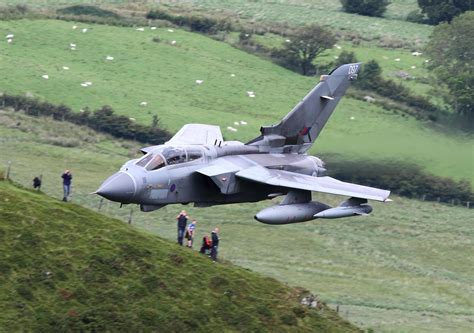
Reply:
x=102 y=203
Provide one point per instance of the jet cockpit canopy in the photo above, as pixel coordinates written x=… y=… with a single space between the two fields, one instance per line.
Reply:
x=169 y=155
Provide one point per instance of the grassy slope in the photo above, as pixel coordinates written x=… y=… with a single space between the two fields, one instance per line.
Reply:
x=404 y=268
x=323 y=12
x=67 y=268
x=164 y=76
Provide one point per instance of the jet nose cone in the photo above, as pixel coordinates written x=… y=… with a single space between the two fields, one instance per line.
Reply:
x=119 y=187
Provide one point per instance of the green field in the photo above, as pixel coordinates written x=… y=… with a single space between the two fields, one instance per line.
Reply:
x=323 y=12
x=164 y=75
x=66 y=268
x=406 y=267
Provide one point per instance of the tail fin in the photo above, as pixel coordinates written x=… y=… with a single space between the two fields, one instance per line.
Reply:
x=300 y=128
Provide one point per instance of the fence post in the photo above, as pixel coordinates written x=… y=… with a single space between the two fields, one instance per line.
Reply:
x=452 y=202
x=7 y=176
x=423 y=197
x=468 y=204
x=130 y=216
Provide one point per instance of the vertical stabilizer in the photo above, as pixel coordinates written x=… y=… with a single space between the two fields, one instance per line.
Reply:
x=300 y=128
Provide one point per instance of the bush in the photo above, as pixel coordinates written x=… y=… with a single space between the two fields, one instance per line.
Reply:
x=79 y=10
x=365 y=7
x=195 y=23
x=102 y=120
x=401 y=178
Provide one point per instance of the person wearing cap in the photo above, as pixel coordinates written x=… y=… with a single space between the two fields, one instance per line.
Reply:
x=67 y=178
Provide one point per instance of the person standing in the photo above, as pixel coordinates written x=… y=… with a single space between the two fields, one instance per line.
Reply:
x=182 y=219
x=67 y=178
x=190 y=233
x=215 y=243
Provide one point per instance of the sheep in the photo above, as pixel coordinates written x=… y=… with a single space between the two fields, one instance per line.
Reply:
x=250 y=94
x=88 y=83
x=65 y=68
x=173 y=42
x=231 y=129
x=397 y=59
x=140 y=29
x=199 y=81
x=236 y=123
x=232 y=75
x=74 y=27
x=72 y=45
x=132 y=119
x=84 y=30
x=413 y=67
x=288 y=40
x=9 y=40
x=170 y=30
x=416 y=53
x=109 y=58
x=153 y=28
x=9 y=36
x=84 y=85
x=45 y=76
x=243 y=122
x=143 y=103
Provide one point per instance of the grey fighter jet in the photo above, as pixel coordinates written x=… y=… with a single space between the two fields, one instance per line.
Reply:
x=197 y=166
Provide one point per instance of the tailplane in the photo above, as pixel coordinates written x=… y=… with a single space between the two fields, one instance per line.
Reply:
x=298 y=130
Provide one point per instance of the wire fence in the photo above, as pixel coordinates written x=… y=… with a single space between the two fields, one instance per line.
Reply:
x=101 y=204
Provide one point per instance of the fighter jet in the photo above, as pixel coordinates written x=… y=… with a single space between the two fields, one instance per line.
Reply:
x=197 y=166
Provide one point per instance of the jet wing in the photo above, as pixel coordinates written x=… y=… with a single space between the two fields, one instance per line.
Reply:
x=317 y=184
x=197 y=134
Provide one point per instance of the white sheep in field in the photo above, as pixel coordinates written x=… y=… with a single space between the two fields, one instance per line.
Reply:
x=140 y=29
x=199 y=81
x=143 y=104
x=9 y=36
x=84 y=30
x=243 y=122
x=232 y=129
x=45 y=76
x=109 y=58
x=65 y=68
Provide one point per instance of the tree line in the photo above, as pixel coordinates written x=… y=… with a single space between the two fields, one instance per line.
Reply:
x=102 y=120
x=404 y=179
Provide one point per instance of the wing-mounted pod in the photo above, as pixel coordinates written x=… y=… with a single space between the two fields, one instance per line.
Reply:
x=297 y=207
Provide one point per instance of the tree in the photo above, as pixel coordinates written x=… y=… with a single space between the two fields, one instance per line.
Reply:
x=439 y=11
x=304 y=46
x=451 y=49
x=365 y=7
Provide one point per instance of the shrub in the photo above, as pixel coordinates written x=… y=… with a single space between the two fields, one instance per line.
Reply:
x=102 y=120
x=87 y=10
x=402 y=178
x=365 y=7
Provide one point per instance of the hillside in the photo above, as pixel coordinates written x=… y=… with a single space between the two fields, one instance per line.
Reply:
x=67 y=268
x=164 y=75
x=405 y=266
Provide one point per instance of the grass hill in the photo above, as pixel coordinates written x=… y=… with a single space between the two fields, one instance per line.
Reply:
x=66 y=268
x=164 y=75
x=403 y=268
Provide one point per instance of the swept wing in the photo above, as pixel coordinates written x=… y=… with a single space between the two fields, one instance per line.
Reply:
x=317 y=184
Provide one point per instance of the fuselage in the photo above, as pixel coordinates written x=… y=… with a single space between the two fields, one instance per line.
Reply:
x=169 y=174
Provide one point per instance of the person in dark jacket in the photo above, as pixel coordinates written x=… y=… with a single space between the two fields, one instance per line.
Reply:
x=215 y=243
x=37 y=183
x=182 y=219
x=67 y=178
